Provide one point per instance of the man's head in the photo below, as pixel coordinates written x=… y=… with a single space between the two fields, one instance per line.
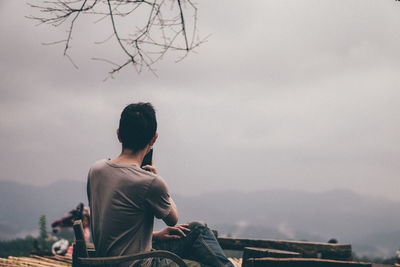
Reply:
x=137 y=126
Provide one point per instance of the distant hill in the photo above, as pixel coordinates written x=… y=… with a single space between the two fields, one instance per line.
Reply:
x=371 y=225
x=339 y=213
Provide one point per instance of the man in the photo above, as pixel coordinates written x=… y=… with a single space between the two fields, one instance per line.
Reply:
x=124 y=199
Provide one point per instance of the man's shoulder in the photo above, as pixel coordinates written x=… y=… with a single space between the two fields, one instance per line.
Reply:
x=100 y=164
x=107 y=167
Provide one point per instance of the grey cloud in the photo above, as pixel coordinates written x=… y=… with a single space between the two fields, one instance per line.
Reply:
x=285 y=94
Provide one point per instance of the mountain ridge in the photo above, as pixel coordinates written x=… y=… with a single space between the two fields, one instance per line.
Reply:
x=272 y=214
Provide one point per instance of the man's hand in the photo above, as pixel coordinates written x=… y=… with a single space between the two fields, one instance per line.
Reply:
x=172 y=232
x=150 y=168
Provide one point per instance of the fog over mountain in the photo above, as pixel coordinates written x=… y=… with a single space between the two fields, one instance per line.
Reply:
x=369 y=224
x=286 y=102
x=299 y=95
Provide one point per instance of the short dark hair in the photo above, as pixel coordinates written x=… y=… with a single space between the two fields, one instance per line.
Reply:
x=137 y=126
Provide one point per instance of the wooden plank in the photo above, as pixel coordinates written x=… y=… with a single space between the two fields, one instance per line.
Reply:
x=306 y=249
x=52 y=261
x=267 y=252
x=250 y=252
x=33 y=262
x=79 y=247
x=302 y=262
x=6 y=262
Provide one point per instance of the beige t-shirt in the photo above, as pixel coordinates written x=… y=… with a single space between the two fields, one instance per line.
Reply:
x=123 y=201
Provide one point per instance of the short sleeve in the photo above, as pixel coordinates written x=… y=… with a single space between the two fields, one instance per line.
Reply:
x=158 y=198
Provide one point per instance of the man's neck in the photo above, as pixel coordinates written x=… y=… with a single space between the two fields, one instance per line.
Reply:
x=127 y=156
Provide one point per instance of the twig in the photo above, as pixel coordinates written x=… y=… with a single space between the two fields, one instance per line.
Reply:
x=145 y=45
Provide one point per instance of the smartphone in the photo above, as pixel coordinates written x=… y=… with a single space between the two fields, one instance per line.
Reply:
x=148 y=159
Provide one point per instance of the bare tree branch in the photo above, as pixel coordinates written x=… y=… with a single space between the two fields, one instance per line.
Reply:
x=163 y=29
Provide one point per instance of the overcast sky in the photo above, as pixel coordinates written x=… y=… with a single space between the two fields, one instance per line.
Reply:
x=300 y=95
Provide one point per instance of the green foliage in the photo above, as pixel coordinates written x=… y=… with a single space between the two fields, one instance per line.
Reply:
x=42 y=227
x=43 y=243
x=23 y=246
x=17 y=247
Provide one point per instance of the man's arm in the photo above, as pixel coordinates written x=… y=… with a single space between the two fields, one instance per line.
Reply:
x=172 y=217
x=172 y=232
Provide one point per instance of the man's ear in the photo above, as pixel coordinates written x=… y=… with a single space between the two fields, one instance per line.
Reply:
x=119 y=138
x=153 y=140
